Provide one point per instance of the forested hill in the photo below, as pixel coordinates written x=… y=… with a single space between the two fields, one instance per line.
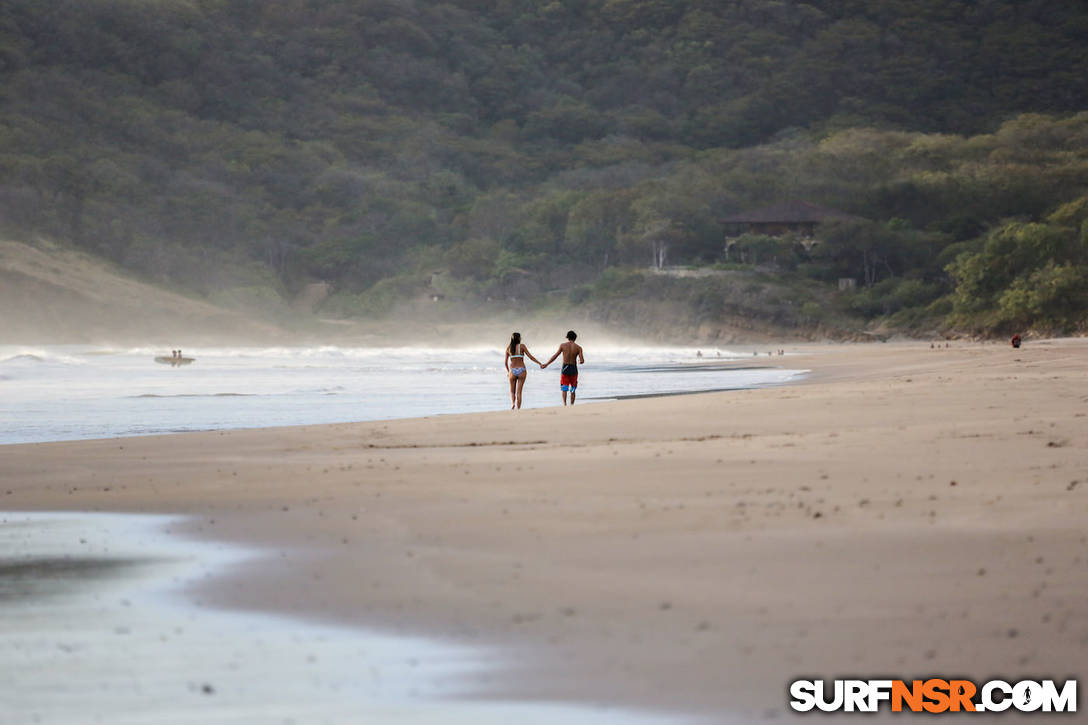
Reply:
x=511 y=143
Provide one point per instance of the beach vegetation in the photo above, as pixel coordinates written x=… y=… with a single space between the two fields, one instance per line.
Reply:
x=1026 y=275
x=494 y=153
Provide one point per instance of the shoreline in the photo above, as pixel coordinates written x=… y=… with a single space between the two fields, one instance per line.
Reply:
x=682 y=553
x=105 y=663
x=61 y=394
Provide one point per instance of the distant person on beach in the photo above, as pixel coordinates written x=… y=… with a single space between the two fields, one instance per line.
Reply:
x=516 y=352
x=572 y=357
x=1015 y=341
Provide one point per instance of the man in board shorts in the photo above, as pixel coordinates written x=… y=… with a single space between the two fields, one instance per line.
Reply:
x=572 y=356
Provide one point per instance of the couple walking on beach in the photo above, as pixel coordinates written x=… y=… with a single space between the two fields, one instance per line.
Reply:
x=516 y=352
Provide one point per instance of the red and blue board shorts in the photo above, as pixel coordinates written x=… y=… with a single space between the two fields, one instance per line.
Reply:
x=568 y=378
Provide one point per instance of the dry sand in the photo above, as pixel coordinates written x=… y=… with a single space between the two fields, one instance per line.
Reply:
x=905 y=512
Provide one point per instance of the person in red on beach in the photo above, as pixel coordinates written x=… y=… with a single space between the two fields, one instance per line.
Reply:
x=1015 y=341
x=572 y=356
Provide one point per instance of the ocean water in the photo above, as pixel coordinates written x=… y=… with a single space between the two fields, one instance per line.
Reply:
x=67 y=392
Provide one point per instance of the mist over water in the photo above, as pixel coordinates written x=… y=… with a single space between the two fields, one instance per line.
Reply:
x=65 y=392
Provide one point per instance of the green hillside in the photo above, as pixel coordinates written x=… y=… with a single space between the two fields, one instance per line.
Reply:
x=510 y=152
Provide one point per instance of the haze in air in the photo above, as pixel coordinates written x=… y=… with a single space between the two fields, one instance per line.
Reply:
x=795 y=240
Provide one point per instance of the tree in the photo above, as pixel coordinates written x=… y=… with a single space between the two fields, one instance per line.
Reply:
x=595 y=223
x=1020 y=276
x=474 y=258
x=1052 y=297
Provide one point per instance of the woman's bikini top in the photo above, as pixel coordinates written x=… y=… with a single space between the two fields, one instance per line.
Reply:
x=517 y=354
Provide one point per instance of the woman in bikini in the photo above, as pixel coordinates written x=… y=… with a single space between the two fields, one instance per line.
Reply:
x=516 y=353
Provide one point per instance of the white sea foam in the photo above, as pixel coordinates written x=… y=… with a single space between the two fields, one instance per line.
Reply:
x=69 y=392
x=23 y=355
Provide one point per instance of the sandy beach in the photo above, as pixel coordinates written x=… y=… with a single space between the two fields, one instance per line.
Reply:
x=904 y=512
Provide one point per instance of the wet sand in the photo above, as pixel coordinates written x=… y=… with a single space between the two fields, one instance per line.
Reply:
x=906 y=511
x=95 y=630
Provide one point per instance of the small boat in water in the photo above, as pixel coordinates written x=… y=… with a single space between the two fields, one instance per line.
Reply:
x=174 y=361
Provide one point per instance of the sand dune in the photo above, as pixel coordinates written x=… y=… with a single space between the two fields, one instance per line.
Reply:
x=53 y=294
x=906 y=512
